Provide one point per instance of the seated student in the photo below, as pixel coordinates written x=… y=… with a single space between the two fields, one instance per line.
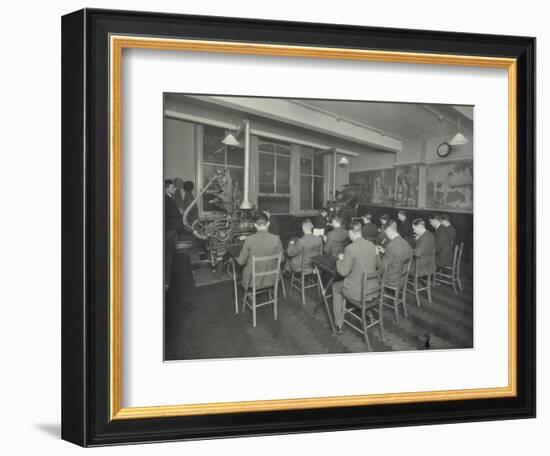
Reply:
x=404 y=227
x=337 y=239
x=261 y=243
x=273 y=223
x=396 y=251
x=369 y=230
x=446 y=222
x=295 y=248
x=321 y=221
x=424 y=249
x=358 y=257
x=443 y=242
x=382 y=239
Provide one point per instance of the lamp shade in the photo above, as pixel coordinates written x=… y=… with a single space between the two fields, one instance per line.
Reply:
x=458 y=140
x=343 y=161
x=230 y=140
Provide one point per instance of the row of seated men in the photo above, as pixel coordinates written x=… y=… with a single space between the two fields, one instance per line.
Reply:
x=354 y=252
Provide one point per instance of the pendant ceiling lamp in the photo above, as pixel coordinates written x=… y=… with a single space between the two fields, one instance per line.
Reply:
x=459 y=138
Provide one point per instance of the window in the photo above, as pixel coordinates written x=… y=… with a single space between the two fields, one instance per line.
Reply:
x=311 y=179
x=217 y=155
x=274 y=176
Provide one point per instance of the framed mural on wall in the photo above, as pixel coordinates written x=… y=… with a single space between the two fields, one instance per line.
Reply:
x=375 y=186
x=406 y=188
x=450 y=186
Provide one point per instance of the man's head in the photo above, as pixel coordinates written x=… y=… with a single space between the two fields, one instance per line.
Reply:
x=307 y=226
x=336 y=221
x=261 y=222
x=267 y=212
x=188 y=186
x=419 y=226
x=367 y=218
x=402 y=215
x=169 y=186
x=435 y=220
x=354 y=231
x=445 y=221
x=324 y=212
x=390 y=228
x=178 y=182
x=384 y=219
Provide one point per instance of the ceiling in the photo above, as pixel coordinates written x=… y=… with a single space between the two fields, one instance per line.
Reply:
x=402 y=120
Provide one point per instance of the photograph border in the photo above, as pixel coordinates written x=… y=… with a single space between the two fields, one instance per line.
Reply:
x=92 y=369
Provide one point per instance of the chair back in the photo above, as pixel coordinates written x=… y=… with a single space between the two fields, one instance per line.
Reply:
x=308 y=252
x=369 y=295
x=456 y=251
x=405 y=270
x=265 y=271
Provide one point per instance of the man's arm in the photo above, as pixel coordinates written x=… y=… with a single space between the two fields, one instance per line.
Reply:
x=344 y=266
x=245 y=252
x=421 y=247
x=295 y=248
x=330 y=235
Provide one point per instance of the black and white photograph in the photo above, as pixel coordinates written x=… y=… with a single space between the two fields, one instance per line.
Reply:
x=296 y=227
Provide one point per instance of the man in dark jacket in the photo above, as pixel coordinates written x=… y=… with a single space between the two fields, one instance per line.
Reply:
x=443 y=242
x=358 y=257
x=369 y=230
x=337 y=239
x=446 y=222
x=424 y=251
x=404 y=227
x=173 y=223
x=321 y=221
x=396 y=251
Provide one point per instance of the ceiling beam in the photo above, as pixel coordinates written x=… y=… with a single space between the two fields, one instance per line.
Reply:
x=286 y=111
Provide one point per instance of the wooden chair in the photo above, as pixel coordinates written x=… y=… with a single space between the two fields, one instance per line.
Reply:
x=450 y=275
x=415 y=285
x=370 y=300
x=250 y=298
x=397 y=295
x=306 y=277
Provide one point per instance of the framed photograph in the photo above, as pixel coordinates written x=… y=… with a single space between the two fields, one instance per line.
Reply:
x=269 y=227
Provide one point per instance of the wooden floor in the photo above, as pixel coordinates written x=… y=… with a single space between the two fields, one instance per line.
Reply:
x=200 y=323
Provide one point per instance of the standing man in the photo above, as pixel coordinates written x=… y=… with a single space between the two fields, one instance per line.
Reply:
x=358 y=257
x=424 y=251
x=396 y=251
x=273 y=223
x=369 y=230
x=320 y=221
x=337 y=239
x=382 y=238
x=173 y=223
x=404 y=227
x=446 y=222
x=443 y=242
x=261 y=243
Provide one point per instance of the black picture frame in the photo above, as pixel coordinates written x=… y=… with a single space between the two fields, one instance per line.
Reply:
x=85 y=225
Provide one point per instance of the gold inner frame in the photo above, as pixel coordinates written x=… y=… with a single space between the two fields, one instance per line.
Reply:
x=117 y=44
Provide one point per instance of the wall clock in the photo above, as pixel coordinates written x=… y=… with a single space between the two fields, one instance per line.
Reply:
x=444 y=149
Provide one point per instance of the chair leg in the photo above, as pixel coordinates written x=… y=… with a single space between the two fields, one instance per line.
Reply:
x=253 y=309
x=282 y=281
x=429 y=285
x=404 y=297
x=395 y=305
x=381 y=321
x=303 y=290
x=365 y=331
x=416 y=290
x=275 y=304
x=245 y=295
x=453 y=280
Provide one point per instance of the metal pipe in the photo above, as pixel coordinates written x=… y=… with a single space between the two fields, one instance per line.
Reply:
x=334 y=174
x=245 y=204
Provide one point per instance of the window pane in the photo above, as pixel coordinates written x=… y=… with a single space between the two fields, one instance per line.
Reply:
x=213 y=148
x=305 y=192
x=266 y=147
x=318 y=165
x=283 y=174
x=235 y=156
x=305 y=165
x=318 y=193
x=283 y=149
x=276 y=204
x=267 y=170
